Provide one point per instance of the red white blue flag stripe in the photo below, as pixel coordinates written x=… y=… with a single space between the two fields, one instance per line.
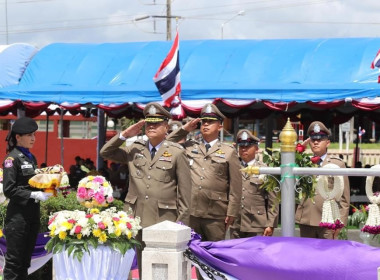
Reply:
x=167 y=78
x=376 y=61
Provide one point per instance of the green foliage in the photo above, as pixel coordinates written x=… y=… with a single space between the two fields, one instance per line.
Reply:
x=305 y=184
x=55 y=204
x=358 y=217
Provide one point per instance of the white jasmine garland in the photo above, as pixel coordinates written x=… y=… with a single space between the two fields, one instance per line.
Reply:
x=369 y=185
x=330 y=210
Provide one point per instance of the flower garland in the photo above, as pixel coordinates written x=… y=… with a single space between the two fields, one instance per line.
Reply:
x=330 y=210
x=94 y=191
x=372 y=224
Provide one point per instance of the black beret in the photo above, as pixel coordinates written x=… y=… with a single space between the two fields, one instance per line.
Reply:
x=24 y=125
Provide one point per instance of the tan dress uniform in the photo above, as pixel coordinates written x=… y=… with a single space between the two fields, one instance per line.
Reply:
x=159 y=189
x=216 y=185
x=259 y=208
x=309 y=214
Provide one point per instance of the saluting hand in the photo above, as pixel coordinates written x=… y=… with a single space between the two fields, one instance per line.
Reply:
x=191 y=125
x=133 y=130
x=306 y=142
x=268 y=231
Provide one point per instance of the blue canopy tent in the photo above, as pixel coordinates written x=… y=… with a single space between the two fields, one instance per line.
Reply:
x=242 y=76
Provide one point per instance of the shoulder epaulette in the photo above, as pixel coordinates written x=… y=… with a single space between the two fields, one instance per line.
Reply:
x=228 y=145
x=173 y=144
x=335 y=157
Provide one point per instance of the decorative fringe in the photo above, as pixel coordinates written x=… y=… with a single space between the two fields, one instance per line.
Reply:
x=372 y=225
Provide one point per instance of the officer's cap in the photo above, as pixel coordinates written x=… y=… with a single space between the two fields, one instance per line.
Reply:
x=211 y=112
x=318 y=130
x=155 y=113
x=24 y=125
x=174 y=125
x=246 y=138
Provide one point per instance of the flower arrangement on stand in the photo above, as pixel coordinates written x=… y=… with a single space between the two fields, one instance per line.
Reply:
x=93 y=236
x=75 y=231
x=305 y=185
x=94 y=191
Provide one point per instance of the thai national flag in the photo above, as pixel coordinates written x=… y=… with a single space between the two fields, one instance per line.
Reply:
x=376 y=61
x=167 y=78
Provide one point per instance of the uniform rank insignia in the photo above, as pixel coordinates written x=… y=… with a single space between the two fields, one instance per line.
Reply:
x=195 y=151
x=166 y=156
x=220 y=153
x=8 y=162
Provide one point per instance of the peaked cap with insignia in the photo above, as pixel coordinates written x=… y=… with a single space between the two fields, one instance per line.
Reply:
x=246 y=138
x=317 y=130
x=155 y=113
x=211 y=112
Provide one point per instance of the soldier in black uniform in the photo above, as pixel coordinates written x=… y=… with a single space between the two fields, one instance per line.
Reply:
x=22 y=220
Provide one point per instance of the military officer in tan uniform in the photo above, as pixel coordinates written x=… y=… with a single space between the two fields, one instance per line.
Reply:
x=309 y=214
x=159 y=181
x=215 y=174
x=259 y=208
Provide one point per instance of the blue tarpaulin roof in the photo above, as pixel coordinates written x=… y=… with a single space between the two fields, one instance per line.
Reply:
x=275 y=70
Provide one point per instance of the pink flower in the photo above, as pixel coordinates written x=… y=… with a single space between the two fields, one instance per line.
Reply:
x=77 y=229
x=99 y=198
x=52 y=219
x=88 y=216
x=109 y=199
x=101 y=225
x=90 y=193
x=116 y=219
x=71 y=221
x=98 y=180
x=129 y=226
x=81 y=193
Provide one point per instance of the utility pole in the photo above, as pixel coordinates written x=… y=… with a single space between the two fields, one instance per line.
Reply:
x=168 y=20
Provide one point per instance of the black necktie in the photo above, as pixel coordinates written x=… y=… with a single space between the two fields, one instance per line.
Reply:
x=152 y=152
x=245 y=164
x=208 y=146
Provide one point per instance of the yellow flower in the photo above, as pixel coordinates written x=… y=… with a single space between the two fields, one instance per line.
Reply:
x=1 y=233
x=67 y=225
x=62 y=235
x=97 y=232
x=94 y=211
x=129 y=234
x=105 y=184
x=103 y=237
x=90 y=178
x=79 y=236
x=117 y=232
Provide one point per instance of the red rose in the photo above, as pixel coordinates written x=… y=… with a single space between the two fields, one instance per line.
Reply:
x=300 y=148
x=315 y=159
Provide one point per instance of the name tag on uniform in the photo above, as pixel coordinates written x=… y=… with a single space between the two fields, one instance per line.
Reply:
x=169 y=159
x=25 y=166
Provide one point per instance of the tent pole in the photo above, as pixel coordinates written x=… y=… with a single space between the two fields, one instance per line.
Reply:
x=62 y=146
x=46 y=138
x=101 y=139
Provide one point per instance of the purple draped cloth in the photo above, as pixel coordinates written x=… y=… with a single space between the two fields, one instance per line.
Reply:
x=39 y=249
x=290 y=258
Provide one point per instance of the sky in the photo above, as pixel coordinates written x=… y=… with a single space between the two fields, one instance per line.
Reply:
x=42 y=22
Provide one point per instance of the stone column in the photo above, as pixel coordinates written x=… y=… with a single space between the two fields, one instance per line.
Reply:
x=162 y=258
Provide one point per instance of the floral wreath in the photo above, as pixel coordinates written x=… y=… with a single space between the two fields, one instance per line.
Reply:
x=94 y=191
x=330 y=210
x=372 y=224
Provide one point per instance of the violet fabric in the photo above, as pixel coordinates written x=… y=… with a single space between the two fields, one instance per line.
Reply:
x=39 y=249
x=290 y=258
